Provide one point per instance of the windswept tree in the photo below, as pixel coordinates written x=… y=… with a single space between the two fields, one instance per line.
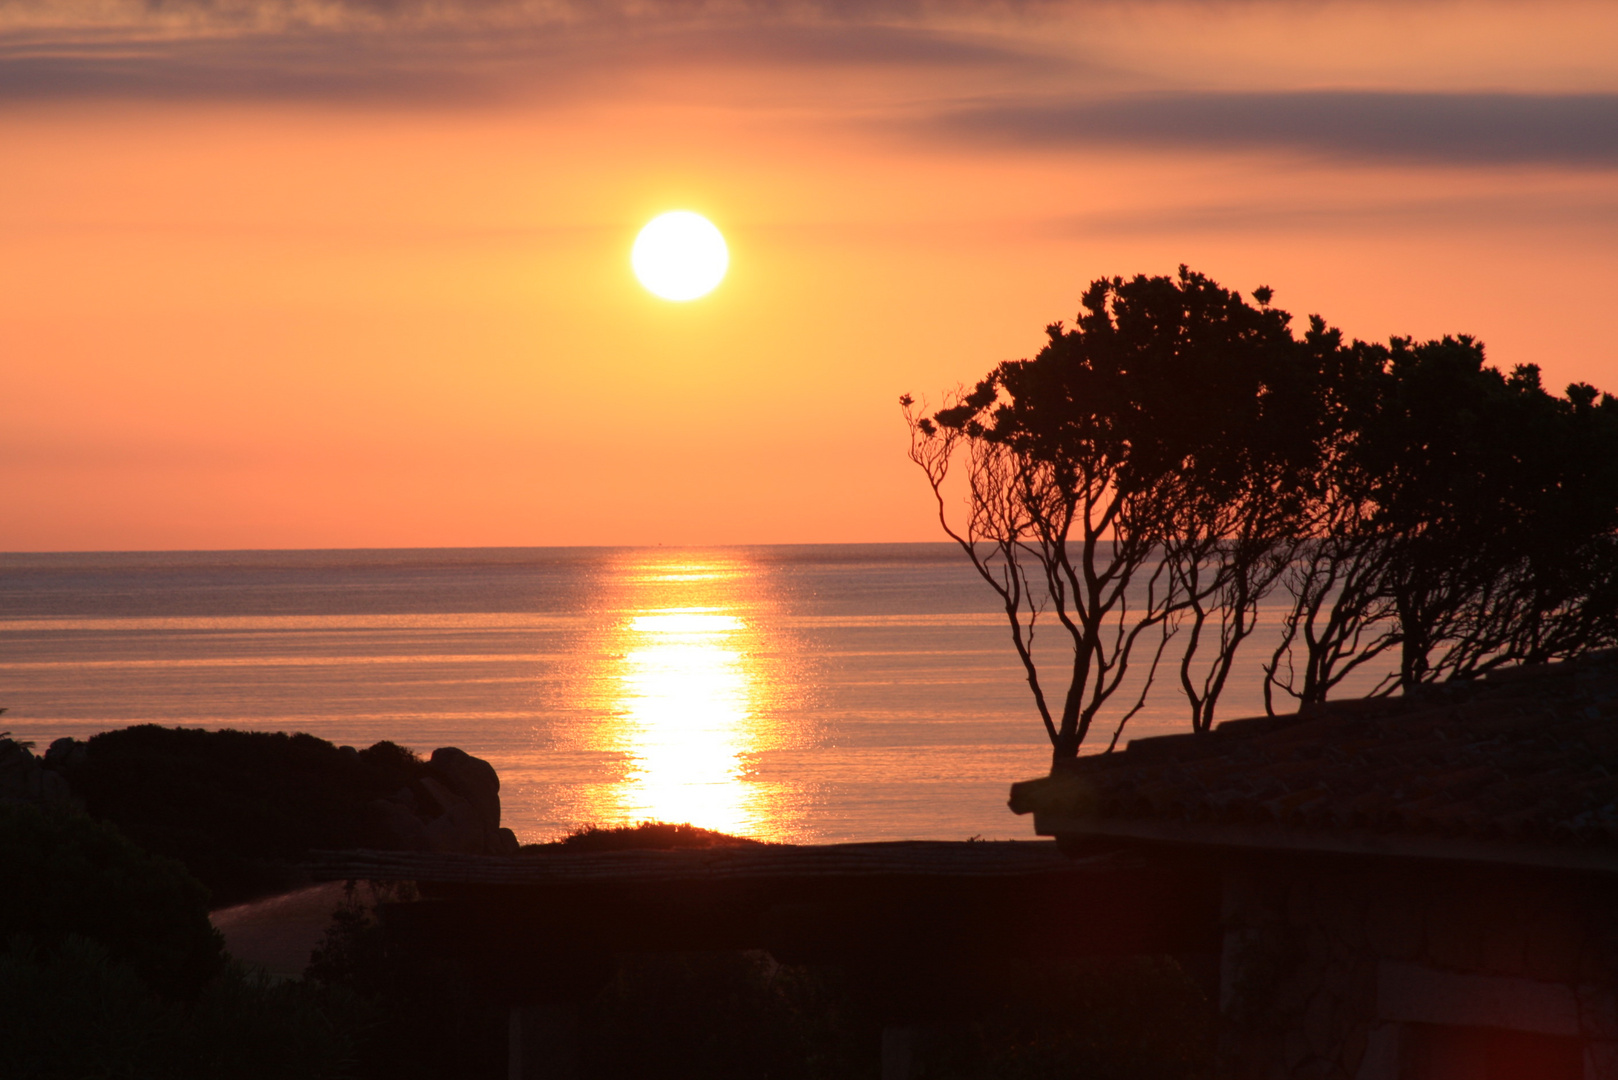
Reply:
x=1455 y=475
x=1502 y=527
x=1178 y=456
x=1249 y=490
x=1468 y=520
x=1559 y=594
x=1124 y=476
x=1339 y=619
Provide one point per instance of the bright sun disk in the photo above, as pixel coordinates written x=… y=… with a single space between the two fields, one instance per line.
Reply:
x=680 y=256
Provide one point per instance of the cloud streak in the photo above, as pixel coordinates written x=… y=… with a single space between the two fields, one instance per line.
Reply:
x=1494 y=214
x=967 y=73
x=508 y=52
x=1382 y=126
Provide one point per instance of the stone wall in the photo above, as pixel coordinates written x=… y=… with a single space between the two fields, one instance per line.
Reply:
x=1332 y=966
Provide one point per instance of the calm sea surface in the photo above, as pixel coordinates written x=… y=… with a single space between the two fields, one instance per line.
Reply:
x=816 y=693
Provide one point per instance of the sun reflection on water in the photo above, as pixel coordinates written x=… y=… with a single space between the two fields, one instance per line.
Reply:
x=685 y=696
x=690 y=685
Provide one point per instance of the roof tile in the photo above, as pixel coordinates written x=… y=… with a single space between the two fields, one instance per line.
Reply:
x=1527 y=755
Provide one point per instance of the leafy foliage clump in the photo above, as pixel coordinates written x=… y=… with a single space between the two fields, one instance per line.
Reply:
x=1138 y=1018
x=74 y=1011
x=66 y=876
x=110 y=968
x=431 y=1017
x=1179 y=455
x=238 y=808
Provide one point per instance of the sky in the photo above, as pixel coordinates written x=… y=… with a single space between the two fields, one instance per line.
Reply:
x=356 y=273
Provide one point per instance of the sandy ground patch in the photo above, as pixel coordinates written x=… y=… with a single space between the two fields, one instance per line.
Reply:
x=279 y=933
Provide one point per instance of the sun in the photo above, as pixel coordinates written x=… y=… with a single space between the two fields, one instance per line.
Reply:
x=680 y=256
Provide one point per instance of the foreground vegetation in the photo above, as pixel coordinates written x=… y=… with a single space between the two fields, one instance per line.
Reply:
x=743 y=1015
x=240 y=809
x=109 y=968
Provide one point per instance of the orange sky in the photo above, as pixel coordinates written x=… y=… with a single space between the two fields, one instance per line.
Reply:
x=308 y=275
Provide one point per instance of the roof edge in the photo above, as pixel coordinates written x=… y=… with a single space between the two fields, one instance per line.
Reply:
x=1348 y=842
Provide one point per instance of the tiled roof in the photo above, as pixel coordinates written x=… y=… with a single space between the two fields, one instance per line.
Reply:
x=1517 y=764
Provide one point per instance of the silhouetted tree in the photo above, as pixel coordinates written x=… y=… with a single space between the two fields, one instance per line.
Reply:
x=1248 y=489
x=1126 y=475
x=1340 y=619
x=1178 y=455
x=1505 y=556
x=1468 y=522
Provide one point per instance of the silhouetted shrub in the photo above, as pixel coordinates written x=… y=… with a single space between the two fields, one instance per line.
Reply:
x=238 y=808
x=725 y=1016
x=109 y=968
x=431 y=1019
x=646 y=836
x=1136 y=1018
x=68 y=875
x=72 y=1011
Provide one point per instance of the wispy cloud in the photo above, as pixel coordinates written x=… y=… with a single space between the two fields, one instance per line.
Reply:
x=1026 y=74
x=359 y=49
x=1425 y=128
x=1495 y=214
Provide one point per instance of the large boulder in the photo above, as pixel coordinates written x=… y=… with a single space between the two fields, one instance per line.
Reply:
x=473 y=779
x=453 y=808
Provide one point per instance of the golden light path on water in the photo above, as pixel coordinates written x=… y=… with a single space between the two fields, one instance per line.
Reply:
x=690 y=689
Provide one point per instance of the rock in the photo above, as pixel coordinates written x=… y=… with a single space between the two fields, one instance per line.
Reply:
x=458 y=826
x=471 y=778
x=455 y=810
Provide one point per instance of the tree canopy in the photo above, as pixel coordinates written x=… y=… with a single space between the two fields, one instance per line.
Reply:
x=1180 y=454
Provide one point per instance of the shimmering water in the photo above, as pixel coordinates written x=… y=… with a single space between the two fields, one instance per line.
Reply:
x=814 y=693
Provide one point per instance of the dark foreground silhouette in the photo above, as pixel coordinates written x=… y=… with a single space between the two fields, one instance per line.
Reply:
x=242 y=810
x=819 y=1009
x=111 y=969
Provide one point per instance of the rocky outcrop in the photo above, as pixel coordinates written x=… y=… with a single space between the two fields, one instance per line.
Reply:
x=454 y=807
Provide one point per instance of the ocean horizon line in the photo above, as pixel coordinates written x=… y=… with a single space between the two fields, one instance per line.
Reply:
x=462 y=548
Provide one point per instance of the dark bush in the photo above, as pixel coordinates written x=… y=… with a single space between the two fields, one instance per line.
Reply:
x=68 y=875
x=432 y=1019
x=73 y=1011
x=238 y=808
x=718 y=1016
x=646 y=836
x=1136 y=1018
x=109 y=968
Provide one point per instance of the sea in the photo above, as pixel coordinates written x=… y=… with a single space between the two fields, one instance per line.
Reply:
x=815 y=693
